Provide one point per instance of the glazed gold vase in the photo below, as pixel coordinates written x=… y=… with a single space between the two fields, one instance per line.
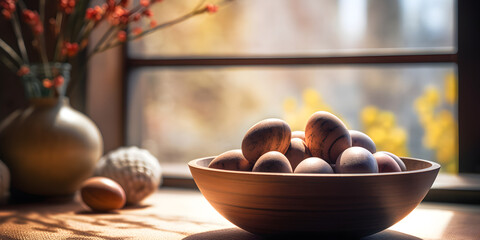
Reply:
x=49 y=147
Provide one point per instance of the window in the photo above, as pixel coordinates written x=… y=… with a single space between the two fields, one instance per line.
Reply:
x=388 y=68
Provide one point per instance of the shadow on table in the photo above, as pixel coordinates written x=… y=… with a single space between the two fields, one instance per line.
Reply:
x=42 y=216
x=54 y=219
x=239 y=234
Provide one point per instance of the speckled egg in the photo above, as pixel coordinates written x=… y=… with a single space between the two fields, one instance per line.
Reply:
x=135 y=169
x=272 y=161
x=356 y=160
x=360 y=139
x=299 y=134
x=267 y=135
x=313 y=165
x=386 y=163
x=326 y=136
x=231 y=160
x=297 y=152
x=399 y=161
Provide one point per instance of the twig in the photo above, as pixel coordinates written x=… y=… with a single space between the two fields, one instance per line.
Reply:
x=5 y=47
x=84 y=30
x=77 y=20
x=59 y=37
x=199 y=4
x=22 y=5
x=102 y=40
x=41 y=38
x=42 y=11
x=8 y=63
x=58 y=22
x=18 y=34
x=197 y=10
x=136 y=9
x=166 y=24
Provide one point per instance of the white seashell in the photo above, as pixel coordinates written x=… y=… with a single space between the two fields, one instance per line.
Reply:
x=4 y=180
x=136 y=170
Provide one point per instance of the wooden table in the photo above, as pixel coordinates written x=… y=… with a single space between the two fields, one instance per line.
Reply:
x=185 y=214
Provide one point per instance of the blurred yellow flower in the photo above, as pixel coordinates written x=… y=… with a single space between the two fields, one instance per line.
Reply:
x=378 y=134
x=451 y=88
x=440 y=125
x=432 y=96
x=297 y=114
x=381 y=127
x=368 y=116
x=290 y=104
x=386 y=119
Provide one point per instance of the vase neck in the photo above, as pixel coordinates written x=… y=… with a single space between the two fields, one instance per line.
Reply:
x=46 y=80
x=49 y=102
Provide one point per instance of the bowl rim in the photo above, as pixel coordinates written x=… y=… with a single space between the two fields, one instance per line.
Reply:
x=433 y=167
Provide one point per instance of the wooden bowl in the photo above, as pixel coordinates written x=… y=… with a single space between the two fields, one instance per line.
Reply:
x=340 y=205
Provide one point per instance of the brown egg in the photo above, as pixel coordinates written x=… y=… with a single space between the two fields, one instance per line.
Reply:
x=267 y=135
x=333 y=167
x=102 y=194
x=326 y=136
x=360 y=139
x=356 y=160
x=273 y=161
x=297 y=152
x=299 y=134
x=399 y=161
x=386 y=163
x=231 y=160
x=313 y=165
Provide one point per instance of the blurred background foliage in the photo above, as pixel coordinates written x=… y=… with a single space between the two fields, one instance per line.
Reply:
x=439 y=124
x=195 y=111
x=433 y=108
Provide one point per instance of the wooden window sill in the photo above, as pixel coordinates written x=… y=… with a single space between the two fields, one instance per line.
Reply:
x=173 y=213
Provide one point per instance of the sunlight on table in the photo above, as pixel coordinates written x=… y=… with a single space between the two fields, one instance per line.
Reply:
x=425 y=223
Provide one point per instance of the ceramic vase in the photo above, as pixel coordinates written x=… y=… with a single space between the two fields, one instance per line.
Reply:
x=49 y=147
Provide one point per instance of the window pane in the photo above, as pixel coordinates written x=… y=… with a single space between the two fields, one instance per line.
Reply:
x=184 y=113
x=303 y=27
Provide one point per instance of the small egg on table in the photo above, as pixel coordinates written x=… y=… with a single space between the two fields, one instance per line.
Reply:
x=102 y=194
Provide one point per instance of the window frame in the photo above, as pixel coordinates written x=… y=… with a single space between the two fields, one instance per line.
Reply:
x=465 y=58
